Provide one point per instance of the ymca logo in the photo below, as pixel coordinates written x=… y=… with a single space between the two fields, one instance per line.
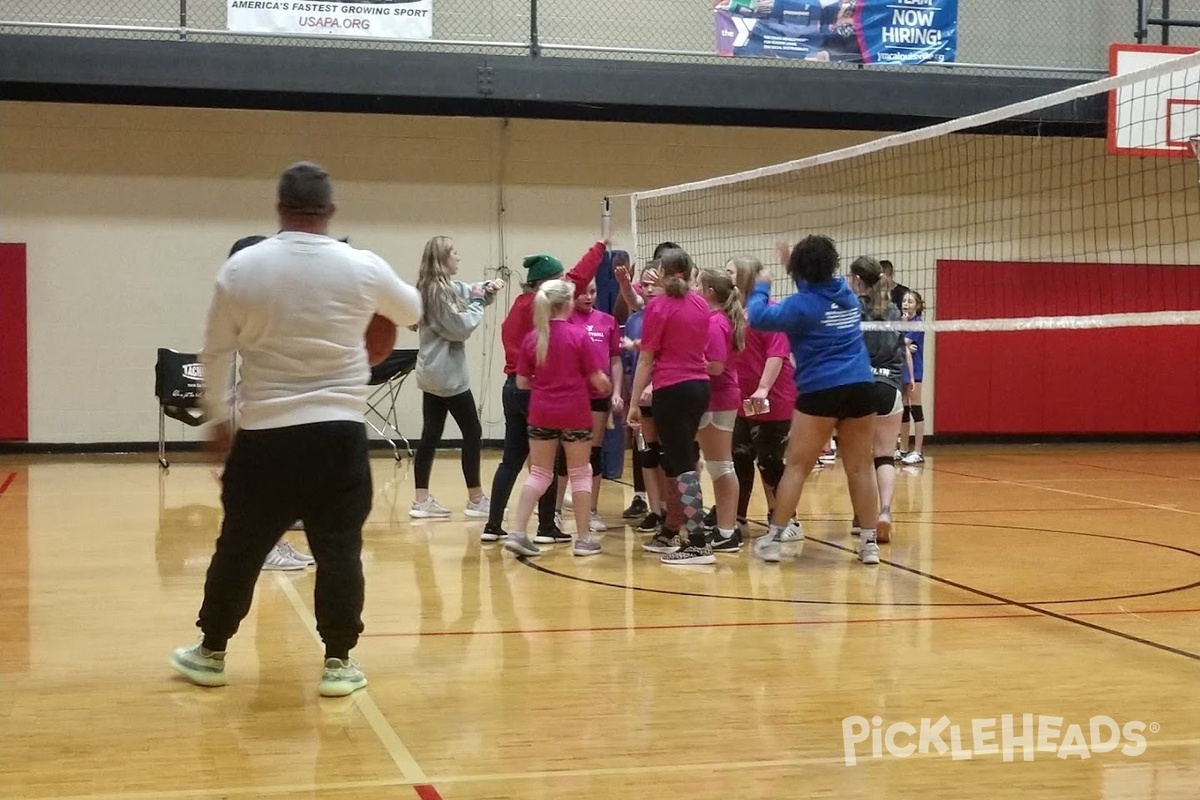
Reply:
x=744 y=28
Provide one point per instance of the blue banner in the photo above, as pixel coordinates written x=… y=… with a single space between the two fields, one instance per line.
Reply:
x=852 y=31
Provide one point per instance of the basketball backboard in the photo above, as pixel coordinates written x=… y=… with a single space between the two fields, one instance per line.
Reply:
x=1156 y=117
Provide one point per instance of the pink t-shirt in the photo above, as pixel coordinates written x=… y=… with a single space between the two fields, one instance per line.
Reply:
x=751 y=362
x=559 y=396
x=675 y=330
x=724 y=392
x=605 y=335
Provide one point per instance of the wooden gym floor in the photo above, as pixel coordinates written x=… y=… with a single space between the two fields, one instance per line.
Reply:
x=1057 y=582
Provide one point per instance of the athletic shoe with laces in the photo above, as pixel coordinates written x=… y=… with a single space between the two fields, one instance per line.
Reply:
x=519 y=543
x=551 y=536
x=201 y=667
x=279 y=561
x=481 y=509
x=597 y=525
x=429 y=509
x=766 y=547
x=726 y=544
x=663 y=542
x=638 y=508
x=913 y=458
x=492 y=533
x=650 y=524
x=341 y=677
x=304 y=558
x=690 y=554
x=586 y=546
x=793 y=532
x=868 y=551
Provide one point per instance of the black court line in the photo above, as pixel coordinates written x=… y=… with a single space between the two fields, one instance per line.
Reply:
x=997 y=600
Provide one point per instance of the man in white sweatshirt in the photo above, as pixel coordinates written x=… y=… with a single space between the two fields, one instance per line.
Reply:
x=295 y=307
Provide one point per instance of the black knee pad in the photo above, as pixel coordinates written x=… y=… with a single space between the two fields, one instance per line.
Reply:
x=651 y=457
x=771 y=470
x=918 y=414
x=907 y=414
x=597 y=460
x=884 y=461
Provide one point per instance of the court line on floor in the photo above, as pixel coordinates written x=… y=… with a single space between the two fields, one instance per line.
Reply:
x=395 y=747
x=12 y=476
x=864 y=760
x=765 y=624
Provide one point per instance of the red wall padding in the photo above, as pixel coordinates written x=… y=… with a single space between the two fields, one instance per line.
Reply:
x=1114 y=380
x=14 y=361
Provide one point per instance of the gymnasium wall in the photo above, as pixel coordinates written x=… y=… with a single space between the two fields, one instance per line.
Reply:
x=128 y=213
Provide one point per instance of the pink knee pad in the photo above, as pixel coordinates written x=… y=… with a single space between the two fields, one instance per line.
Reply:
x=581 y=479
x=539 y=480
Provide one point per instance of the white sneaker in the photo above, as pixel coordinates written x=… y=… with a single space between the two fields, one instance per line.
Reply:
x=341 y=678
x=200 y=666
x=280 y=561
x=793 y=532
x=767 y=548
x=285 y=549
x=480 y=510
x=520 y=544
x=913 y=458
x=868 y=551
x=431 y=508
x=597 y=525
x=568 y=501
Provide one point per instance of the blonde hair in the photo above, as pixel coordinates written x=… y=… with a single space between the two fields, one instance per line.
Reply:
x=551 y=298
x=433 y=279
x=676 y=269
x=870 y=272
x=721 y=285
x=746 y=271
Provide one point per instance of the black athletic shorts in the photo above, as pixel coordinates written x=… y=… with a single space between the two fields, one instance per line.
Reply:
x=887 y=400
x=850 y=401
x=602 y=405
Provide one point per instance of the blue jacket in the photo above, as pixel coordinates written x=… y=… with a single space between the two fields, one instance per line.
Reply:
x=822 y=325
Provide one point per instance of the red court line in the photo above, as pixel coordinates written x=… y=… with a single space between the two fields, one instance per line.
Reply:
x=771 y=624
x=427 y=792
x=12 y=476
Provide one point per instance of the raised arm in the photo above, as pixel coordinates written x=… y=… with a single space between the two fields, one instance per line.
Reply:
x=766 y=317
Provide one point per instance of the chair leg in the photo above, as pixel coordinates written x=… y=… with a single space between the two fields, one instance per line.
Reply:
x=162 y=439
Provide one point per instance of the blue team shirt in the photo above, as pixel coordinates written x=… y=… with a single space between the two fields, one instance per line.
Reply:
x=633 y=330
x=822 y=323
x=918 y=355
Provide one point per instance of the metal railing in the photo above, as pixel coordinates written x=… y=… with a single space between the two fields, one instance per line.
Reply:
x=1009 y=37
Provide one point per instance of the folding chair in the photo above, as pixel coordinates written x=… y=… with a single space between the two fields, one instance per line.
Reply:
x=388 y=378
x=178 y=385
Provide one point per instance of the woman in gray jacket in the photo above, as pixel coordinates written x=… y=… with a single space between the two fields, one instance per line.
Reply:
x=452 y=310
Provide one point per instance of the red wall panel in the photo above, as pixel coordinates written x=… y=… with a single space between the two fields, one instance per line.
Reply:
x=14 y=361
x=1111 y=380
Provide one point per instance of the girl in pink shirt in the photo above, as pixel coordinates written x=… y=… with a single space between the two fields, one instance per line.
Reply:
x=604 y=334
x=674 y=328
x=559 y=367
x=726 y=338
x=768 y=388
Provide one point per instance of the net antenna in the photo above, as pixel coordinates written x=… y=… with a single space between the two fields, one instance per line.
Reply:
x=1008 y=191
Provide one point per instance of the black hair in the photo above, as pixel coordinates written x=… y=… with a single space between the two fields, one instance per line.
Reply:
x=664 y=247
x=814 y=260
x=243 y=243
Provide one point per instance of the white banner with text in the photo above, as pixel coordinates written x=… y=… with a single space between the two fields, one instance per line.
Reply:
x=383 y=19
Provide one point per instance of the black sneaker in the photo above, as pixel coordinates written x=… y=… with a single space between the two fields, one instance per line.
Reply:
x=637 y=508
x=721 y=544
x=492 y=533
x=650 y=524
x=551 y=536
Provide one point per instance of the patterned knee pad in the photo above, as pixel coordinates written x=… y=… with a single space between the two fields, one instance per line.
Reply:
x=539 y=480
x=581 y=480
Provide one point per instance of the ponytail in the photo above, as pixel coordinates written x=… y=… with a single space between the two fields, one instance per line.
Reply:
x=552 y=296
x=677 y=269
x=870 y=272
x=727 y=294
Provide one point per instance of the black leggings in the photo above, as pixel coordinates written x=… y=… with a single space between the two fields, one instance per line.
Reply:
x=677 y=413
x=434 y=409
x=516 y=451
